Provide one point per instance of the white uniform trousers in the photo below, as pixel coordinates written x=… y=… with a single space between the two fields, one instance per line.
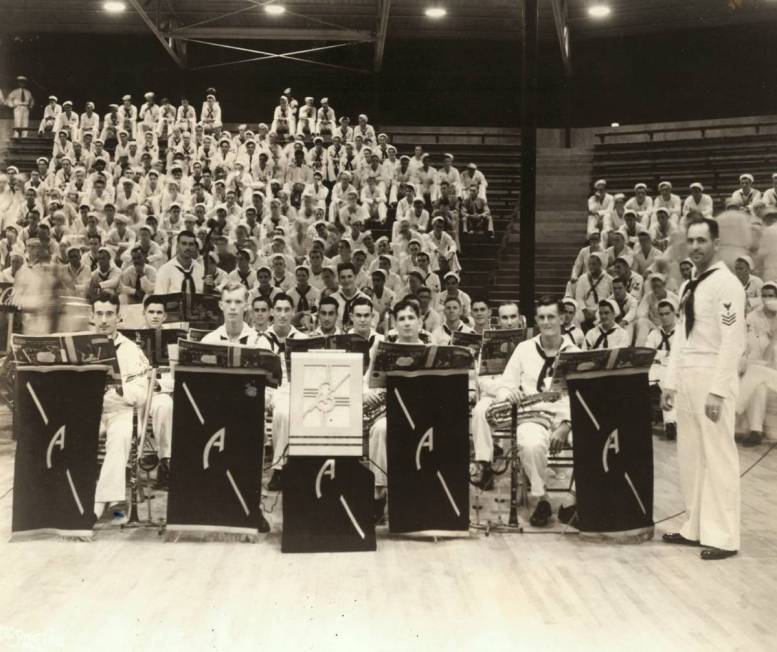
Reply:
x=709 y=464
x=162 y=422
x=21 y=118
x=279 y=399
x=111 y=485
x=533 y=441
x=378 y=455
x=482 y=438
x=656 y=375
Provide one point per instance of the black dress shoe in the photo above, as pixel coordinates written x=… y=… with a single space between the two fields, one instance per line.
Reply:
x=379 y=510
x=713 y=554
x=163 y=475
x=753 y=439
x=678 y=539
x=275 y=483
x=541 y=515
x=670 y=431
x=264 y=526
x=567 y=514
x=486 y=481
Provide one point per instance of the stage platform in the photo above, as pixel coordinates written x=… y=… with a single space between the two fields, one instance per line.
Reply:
x=544 y=590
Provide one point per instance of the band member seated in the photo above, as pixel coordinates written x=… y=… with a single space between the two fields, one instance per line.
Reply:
x=155 y=315
x=326 y=318
x=660 y=339
x=118 y=404
x=626 y=313
x=546 y=426
x=260 y=310
x=274 y=339
x=569 y=328
x=509 y=318
x=441 y=336
x=407 y=323
x=607 y=334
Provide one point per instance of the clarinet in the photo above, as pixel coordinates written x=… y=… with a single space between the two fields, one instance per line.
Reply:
x=134 y=460
x=514 y=479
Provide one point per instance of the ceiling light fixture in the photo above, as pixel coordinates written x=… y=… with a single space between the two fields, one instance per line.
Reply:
x=436 y=12
x=615 y=125
x=599 y=11
x=114 y=7
x=275 y=10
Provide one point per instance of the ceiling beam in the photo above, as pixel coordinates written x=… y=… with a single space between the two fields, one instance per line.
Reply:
x=167 y=43
x=380 y=37
x=562 y=32
x=270 y=34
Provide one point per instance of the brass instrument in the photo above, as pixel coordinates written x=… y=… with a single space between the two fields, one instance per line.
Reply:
x=139 y=426
x=500 y=413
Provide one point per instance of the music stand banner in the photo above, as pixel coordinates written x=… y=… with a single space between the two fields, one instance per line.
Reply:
x=613 y=445
x=57 y=412
x=327 y=505
x=216 y=457
x=428 y=451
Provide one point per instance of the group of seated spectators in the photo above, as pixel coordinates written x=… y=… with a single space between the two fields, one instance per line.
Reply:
x=148 y=199
x=625 y=285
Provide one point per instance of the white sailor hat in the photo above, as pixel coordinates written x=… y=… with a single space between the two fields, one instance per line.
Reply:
x=343 y=119
x=352 y=193
x=363 y=116
x=41 y=159
x=67 y=103
x=642 y=231
x=113 y=106
x=663 y=210
x=609 y=302
x=640 y=186
x=746 y=259
x=277 y=256
x=126 y=98
x=472 y=166
x=569 y=301
x=451 y=274
x=697 y=186
x=121 y=219
x=657 y=276
x=746 y=176
x=106 y=250
x=420 y=200
x=391 y=148
x=318 y=139
x=12 y=169
x=686 y=261
x=324 y=100
x=450 y=156
x=619 y=197
x=665 y=184
x=438 y=218
x=601 y=255
x=627 y=213
x=53 y=97
x=626 y=258
x=383 y=238
x=379 y=271
x=404 y=157
x=672 y=303
x=73 y=248
x=148 y=95
x=769 y=284
x=21 y=78
x=600 y=183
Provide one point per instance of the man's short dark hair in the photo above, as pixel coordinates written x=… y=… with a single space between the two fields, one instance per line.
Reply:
x=451 y=300
x=329 y=301
x=712 y=225
x=404 y=304
x=264 y=300
x=479 y=300
x=341 y=267
x=547 y=300
x=618 y=279
x=361 y=301
x=425 y=289
x=185 y=234
x=282 y=296
x=106 y=297
x=153 y=298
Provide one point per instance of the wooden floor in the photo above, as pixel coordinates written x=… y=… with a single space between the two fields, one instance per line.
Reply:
x=546 y=591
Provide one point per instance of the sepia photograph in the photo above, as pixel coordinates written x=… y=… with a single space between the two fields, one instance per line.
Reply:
x=389 y=325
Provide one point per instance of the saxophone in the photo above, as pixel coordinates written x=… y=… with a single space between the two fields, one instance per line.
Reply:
x=499 y=414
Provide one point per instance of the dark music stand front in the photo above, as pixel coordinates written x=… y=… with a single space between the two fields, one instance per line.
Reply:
x=57 y=412
x=612 y=441
x=218 y=438
x=427 y=412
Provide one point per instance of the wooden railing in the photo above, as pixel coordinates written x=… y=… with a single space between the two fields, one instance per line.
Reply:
x=702 y=130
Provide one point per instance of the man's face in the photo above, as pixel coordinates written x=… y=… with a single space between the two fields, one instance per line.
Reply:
x=316 y=258
x=282 y=314
x=667 y=317
x=138 y=259
x=509 y=317
x=233 y=305
x=347 y=279
x=302 y=277
x=619 y=291
x=105 y=316
x=452 y=285
x=621 y=268
x=361 y=316
x=104 y=259
x=424 y=299
x=595 y=265
x=187 y=247
x=480 y=312
x=378 y=281
x=73 y=257
x=606 y=315
x=745 y=184
x=279 y=267
x=568 y=314
x=155 y=315
x=264 y=277
x=452 y=311
x=408 y=324
x=701 y=246
x=327 y=315
x=261 y=314
x=742 y=270
x=658 y=287
x=686 y=271
x=548 y=320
